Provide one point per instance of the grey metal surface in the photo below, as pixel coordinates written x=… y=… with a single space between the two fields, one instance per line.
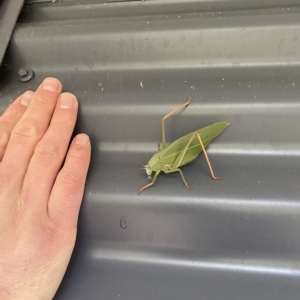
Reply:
x=233 y=239
x=77 y=2
x=9 y=12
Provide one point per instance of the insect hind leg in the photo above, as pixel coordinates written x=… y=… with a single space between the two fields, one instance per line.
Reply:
x=207 y=159
x=170 y=114
x=180 y=157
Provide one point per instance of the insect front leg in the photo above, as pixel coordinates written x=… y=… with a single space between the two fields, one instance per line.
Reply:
x=207 y=159
x=178 y=170
x=151 y=183
x=175 y=167
x=167 y=116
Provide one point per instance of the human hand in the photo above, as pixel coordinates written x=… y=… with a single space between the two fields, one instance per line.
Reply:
x=39 y=202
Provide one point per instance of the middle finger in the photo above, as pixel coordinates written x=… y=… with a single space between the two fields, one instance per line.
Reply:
x=50 y=152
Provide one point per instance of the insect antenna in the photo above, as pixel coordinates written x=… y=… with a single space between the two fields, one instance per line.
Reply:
x=124 y=150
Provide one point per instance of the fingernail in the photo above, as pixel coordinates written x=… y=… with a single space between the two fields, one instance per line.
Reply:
x=81 y=139
x=51 y=84
x=26 y=98
x=67 y=100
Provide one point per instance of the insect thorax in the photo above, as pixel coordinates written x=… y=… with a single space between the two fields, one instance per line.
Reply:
x=154 y=163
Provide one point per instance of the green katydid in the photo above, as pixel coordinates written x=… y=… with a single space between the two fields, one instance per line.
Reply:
x=184 y=150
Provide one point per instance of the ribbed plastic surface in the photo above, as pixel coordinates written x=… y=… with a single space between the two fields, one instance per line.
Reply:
x=130 y=64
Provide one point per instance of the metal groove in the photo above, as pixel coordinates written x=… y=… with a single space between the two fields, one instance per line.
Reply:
x=130 y=63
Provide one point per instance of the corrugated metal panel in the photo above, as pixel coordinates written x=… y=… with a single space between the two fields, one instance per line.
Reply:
x=9 y=12
x=131 y=63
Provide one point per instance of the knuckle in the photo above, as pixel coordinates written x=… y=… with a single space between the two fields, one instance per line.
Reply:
x=12 y=112
x=43 y=100
x=77 y=162
x=4 y=136
x=4 y=179
x=47 y=150
x=60 y=123
x=27 y=130
x=5 y=123
x=70 y=179
x=71 y=183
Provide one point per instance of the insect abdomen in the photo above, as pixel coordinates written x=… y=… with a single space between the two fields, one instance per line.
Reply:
x=169 y=154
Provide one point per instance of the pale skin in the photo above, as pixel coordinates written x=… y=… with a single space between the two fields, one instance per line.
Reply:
x=39 y=200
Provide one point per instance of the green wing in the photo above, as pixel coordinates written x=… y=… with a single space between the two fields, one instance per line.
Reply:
x=169 y=154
